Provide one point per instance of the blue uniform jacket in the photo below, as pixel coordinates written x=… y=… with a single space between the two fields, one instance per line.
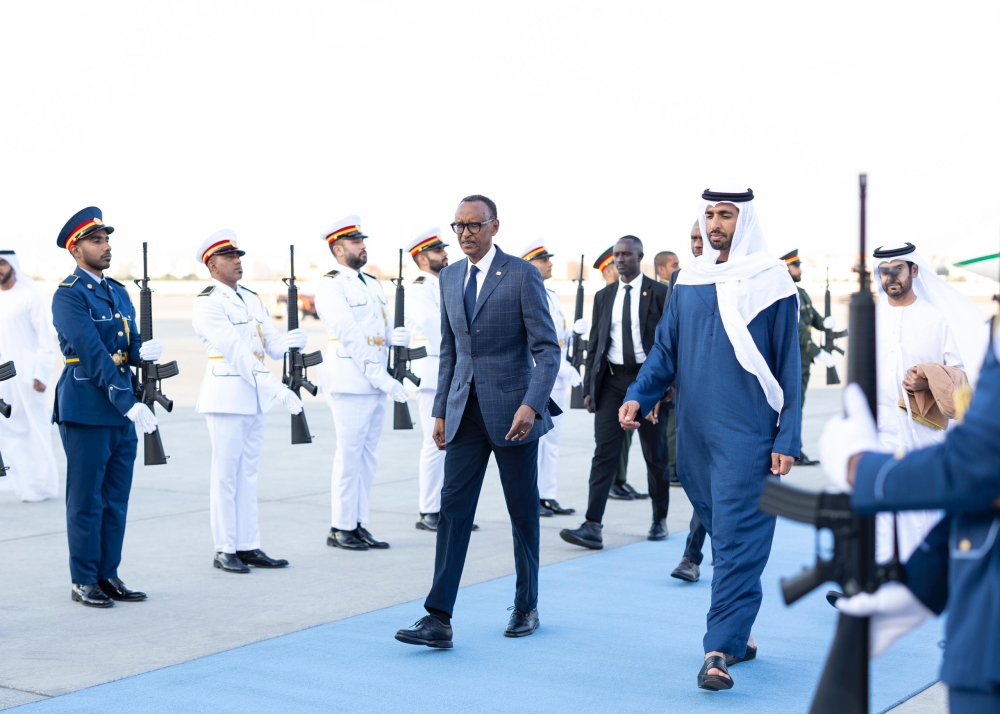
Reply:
x=511 y=327
x=95 y=330
x=959 y=562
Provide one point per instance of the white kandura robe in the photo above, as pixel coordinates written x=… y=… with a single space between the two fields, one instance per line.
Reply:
x=905 y=337
x=28 y=338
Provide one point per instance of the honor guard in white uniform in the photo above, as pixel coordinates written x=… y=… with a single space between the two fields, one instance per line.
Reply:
x=548 y=445
x=236 y=391
x=354 y=378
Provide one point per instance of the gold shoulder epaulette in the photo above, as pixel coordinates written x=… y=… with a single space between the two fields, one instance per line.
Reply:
x=244 y=287
x=419 y=280
x=206 y=291
x=112 y=280
x=69 y=281
x=332 y=274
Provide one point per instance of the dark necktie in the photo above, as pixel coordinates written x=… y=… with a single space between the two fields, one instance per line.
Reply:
x=628 y=347
x=362 y=279
x=470 y=294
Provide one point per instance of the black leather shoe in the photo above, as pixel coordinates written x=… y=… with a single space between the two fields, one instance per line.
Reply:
x=687 y=570
x=553 y=505
x=804 y=460
x=658 y=531
x=588 y=535
x=832 y=596
x=635 y=494
x=544 y=511
x=620 y=494
x=230 y=562
x=91 y=596
x=674 y=481
x=429 y=631
x=428 y=521
x=368 y=539
x=347 y=540
x=260 y=559
x=522 y=624
x=115 y=589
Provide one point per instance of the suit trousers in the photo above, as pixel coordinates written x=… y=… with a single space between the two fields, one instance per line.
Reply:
x=548 y=447
x=237 y=440
x=358 y=421
x=467 y=456
x=609 y=437
x=99 y=462
x=431 y=474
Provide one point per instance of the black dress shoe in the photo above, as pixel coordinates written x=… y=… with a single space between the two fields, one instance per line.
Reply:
x=429 y=631
x=635 y=494
x=522 y=624
x=804 y=460
x=115 y=589
x=553 y=505
x=620 y=494
x=260 y=559
x=230 y=562
x=544 y=511
x=428 y=521
x=832 y=596
x=347 y=540
x=588 y=535
x=658 y=531
x=674 y=481
x=91 y=596
x=368 y=539
x=687 y=570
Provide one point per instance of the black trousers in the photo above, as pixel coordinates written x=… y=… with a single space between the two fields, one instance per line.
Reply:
x=695 y=541
x=609 y=437
x=465 y=461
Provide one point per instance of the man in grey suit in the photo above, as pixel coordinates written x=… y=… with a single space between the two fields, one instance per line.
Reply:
x=499 y=359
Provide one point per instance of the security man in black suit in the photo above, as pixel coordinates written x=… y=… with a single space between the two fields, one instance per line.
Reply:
x=622 y=332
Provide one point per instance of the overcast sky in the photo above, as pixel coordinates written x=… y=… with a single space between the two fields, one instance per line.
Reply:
x=584 y=121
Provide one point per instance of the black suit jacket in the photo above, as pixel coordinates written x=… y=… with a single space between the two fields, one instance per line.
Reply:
x=652 y=303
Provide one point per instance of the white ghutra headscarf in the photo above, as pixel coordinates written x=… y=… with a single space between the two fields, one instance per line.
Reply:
x=750 y=281
x=11 y=257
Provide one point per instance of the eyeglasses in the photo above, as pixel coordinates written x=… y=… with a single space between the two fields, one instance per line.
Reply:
x=894 y=272
x=473 y=228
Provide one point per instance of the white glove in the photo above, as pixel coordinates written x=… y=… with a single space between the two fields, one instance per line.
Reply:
x=296 y=339
x=289 y=401
x=845 y=436
x=394 y=389
x=581 y=327
x=830 y=323
x=575 y=380
x=894 y=610
x=400 y=337
x=825 y=359
x=151 y=350
x=140 y=415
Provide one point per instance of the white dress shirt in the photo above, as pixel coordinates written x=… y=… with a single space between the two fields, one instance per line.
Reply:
x=484 y=267
x=615 y=351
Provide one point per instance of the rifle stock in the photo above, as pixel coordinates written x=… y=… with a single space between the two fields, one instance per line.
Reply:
x=400 y=357
x=579 y=345
x=150 y=374
x=6 y=372
x=296 y=362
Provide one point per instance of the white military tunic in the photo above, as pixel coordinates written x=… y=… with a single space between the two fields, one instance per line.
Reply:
x=354 y=311
x=236 y=391
x=28 y=338
x=423 y=318
x=548 y=445
x=907 y=336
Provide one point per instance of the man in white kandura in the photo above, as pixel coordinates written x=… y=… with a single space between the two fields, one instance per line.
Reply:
x=548 y=445
x=236 y=392
x=922 y=325
x=27 y=338
x=354 y=379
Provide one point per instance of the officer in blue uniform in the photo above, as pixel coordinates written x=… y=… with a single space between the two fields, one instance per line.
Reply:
x=96 y=407
x=958 y=564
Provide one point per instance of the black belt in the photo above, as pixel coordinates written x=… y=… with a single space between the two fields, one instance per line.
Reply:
x=621 y=368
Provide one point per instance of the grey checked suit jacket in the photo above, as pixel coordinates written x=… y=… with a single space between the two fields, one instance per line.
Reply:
x=511 y=326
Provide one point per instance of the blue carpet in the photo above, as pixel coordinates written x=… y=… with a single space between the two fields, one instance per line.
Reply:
x=618 y=635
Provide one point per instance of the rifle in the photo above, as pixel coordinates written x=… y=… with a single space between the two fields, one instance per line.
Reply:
x=150 y=373
x=579 y=345
x=295 y=362
x=401 y=356
x=830 y=337
x=6 y=372
x=844 y=686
